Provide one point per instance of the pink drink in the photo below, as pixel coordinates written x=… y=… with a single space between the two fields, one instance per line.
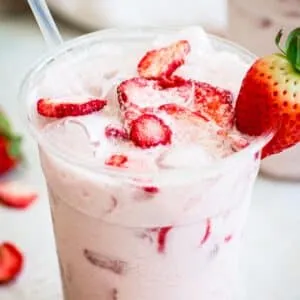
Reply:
x=168 y=225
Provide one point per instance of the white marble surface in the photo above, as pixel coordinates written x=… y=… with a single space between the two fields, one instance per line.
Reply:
x=271 y=250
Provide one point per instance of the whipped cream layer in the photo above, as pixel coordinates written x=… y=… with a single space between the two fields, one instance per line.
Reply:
x=96 y=71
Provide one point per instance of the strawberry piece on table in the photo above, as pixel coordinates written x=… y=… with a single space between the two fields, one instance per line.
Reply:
x=269 y=98
x=10 y=150
x=15 y=194
x=149 y=131
x=160 y=63
x=116 y=160
x=11 y=262
x=214 y=103
x=60 y=108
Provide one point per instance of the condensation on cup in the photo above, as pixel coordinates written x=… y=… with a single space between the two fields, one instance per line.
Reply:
x=254 y=26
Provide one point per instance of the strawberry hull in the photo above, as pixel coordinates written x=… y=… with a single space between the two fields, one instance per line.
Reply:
x=148 y=195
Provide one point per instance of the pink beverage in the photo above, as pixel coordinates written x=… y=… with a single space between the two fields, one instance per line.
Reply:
x=144 y=207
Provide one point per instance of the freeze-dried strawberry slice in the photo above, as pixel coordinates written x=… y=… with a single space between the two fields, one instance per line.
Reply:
x=140 y=93
x=151 y=189
x=60 y=108
x=207 y=232
x=116 y=160
x=115 y=132
x=16 y=194
x=214 y=103
x=163 y=62
x=162 y=238
x=11 y=262
x=149 y=131
x=182 y=113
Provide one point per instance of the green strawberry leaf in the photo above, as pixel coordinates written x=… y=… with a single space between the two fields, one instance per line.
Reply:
x=293 y=48
x=5 y=128
x=14 y=149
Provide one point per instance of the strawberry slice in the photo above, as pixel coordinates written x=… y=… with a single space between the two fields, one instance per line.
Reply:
x=162 y=238
x=140 y=93
x=17 y=195
x=115 y=132
x=116 y=160
x=182 y=113
x=214 y=103
x=149 y=131
x=161 y=63
x=11 y=262
x=60 y=108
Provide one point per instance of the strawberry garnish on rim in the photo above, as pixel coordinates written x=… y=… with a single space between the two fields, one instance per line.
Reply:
x=60 y=108
x=269 y=98
x=16 y=194
x=161 y=63
x=11 y=262
x=149 y=131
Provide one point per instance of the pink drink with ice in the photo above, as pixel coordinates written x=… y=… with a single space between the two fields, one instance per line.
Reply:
x=149 y=193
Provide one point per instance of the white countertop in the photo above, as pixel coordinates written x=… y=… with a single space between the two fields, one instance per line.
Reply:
x=271 y=250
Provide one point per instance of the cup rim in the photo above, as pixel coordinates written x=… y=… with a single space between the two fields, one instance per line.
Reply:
x=253 y=149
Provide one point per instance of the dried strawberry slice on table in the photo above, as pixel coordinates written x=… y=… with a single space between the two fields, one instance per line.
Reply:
x=149 y=131
x=160 y=63
x=11 y=262
x=269 y=98
x=60 y=108
x=16 y=194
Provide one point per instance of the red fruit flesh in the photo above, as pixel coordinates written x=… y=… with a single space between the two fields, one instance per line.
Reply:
x=149 y=131
x=115 y=132
x=7 y=162
x=207 y=232
x=59 y=108
x=214 y=103
x=11 y=262
x=151 y=189
x=162 y=237
x=161 y=63
x=116 y=160
x=17 y=195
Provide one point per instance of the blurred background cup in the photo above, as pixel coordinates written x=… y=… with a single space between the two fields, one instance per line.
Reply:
x=254 y=24
x=97 y=14
x=15 y=6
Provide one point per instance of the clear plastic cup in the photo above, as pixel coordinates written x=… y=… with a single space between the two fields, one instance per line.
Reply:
x=116 y=239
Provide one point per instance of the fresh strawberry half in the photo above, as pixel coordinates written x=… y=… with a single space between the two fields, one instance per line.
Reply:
x=149 y=131
x=60 y=108
x=269 y=98
x=16 y=194
x=117 y=160
x=141 y=93
x=161 y=63
x=214 y=103
x=11 y=262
